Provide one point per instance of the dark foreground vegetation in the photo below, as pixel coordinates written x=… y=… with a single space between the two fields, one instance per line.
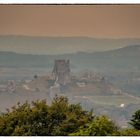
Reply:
x=61 y=119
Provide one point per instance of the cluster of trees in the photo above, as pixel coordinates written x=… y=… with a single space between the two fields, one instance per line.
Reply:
x=60 y=119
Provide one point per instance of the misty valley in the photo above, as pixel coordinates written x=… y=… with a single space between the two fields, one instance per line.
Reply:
x=107 y=82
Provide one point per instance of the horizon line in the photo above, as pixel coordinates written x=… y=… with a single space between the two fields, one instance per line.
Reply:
x=69 y=36
x=66 y=53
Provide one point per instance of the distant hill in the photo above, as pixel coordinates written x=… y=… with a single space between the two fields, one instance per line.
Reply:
x=61 y=45
x=123 y=59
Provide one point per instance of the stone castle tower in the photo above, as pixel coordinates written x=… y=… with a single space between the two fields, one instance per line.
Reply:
x=61 y=71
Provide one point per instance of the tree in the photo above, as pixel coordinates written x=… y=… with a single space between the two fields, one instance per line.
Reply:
x=100 y=126
x=25 y=120
x=66 y=118
x=135 y=121
x=39 y=118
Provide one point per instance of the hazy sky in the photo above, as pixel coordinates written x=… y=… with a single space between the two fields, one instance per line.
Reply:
x=100 y=21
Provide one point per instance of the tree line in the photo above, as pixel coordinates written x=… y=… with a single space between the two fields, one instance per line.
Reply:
x=61 y=119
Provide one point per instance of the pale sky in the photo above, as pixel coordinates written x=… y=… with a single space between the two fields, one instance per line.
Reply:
x=99 y=21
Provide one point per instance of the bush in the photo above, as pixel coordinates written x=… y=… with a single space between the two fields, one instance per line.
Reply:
x=100 y=126
x=129 y=132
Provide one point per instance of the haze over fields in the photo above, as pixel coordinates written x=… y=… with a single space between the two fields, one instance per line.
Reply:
x=102 y=43
x=118 y=71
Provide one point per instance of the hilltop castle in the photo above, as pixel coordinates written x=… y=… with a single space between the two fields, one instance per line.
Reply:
x=61 y=71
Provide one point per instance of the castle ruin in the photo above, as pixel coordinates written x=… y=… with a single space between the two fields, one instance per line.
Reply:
x=61 y=71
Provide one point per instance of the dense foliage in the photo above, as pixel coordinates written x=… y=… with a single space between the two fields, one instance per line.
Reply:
x=135 y=121
x=60 y=118
x=100 y=126
x=129 y=132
